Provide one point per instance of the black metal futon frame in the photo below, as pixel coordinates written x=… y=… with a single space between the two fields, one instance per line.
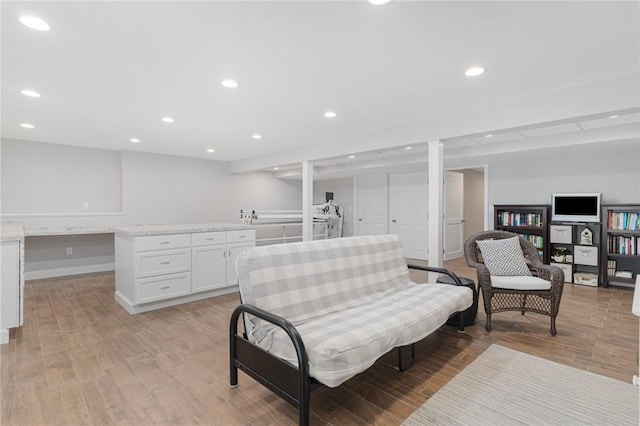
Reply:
x=291 y=383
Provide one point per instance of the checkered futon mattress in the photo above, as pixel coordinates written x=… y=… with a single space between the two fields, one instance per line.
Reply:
x=350 y=299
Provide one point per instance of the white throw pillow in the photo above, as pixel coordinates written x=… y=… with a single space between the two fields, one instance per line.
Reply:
x=503 y=257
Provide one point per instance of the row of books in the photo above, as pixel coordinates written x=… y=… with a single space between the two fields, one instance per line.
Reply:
x=625 y=221
x=624 y=245
x=536 y=240
x=519 y=219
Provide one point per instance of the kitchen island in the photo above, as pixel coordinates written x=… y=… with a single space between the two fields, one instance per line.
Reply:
x=165 y=265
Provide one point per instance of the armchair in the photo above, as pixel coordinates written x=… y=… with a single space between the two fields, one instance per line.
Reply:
x=539 y=292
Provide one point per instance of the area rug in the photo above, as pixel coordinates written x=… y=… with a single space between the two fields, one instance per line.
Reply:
x=506 y=387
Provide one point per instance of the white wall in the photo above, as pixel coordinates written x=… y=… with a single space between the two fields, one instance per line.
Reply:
x=473 y=201
x=59 y=178
x=612 y=168
x=151 y=188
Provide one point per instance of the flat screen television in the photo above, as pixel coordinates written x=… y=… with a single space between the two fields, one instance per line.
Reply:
x=575 y=207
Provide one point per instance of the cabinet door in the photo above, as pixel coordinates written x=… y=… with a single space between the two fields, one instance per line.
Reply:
x=10 y=285
x=234 y=250
x=208 y=268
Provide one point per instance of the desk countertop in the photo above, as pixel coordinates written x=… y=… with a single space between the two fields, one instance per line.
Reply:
x=141 y=230
x=11 y=232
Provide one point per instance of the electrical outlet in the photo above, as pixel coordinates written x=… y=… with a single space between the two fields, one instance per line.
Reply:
x=69 y=250
x=85 y=205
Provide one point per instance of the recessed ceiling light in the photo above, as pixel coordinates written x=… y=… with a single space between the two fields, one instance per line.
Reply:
x=475 y=71
x=408 y=148
x=134 y=140
x=352 y=156
x=30 y=93
x=211 y=150
x=378 y=2
x=613 y=116
x=330 y=114
x=27 y=126
x=231 y=84
x=276 y=168
x=168 y=119
x=35 y=23
x=488 y=136
x=256 y=136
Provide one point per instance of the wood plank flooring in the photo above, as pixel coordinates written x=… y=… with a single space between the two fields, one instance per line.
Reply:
x=82 y=359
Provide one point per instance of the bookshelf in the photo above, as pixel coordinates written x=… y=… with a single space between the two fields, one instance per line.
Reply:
x=575 y=247
x=528 y=220
x=621 y=244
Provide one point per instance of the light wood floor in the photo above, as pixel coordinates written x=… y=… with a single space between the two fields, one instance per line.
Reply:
x=81 y=359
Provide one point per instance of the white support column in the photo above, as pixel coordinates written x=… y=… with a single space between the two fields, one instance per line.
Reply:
x=436 y=206
x=307 y=201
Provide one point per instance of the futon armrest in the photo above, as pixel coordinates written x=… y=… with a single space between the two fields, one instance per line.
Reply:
x=438 y=270
x=296 y=339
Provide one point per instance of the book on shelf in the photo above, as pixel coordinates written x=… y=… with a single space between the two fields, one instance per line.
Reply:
x=536 y=240
x=623 y=221
x=620 y=244
x=611 y=268
x=506 y=218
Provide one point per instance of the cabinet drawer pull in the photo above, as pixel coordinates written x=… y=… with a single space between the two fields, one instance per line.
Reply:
x=165 y=287
x=210 y=239
x=165 y=242
x=241 y=236
x=165 y=263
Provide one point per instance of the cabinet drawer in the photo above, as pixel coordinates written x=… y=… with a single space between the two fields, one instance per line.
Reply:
x=208 y=238
x=163 y=242
x=585 y=255
x=560 y=234
x=164 y=287
x=241 y=236
x=163 y=262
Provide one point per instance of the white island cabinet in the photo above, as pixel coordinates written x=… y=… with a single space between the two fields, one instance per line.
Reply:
x=165 y=265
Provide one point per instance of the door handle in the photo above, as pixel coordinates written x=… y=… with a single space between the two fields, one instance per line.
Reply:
x=393 y=220
x=462 y=221
x=360 y=220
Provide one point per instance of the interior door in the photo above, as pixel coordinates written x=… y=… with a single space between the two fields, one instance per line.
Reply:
x=409 y=204
x=371 y=204
x=453 y=215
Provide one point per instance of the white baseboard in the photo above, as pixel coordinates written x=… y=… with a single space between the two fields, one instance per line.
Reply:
x=72 y=270
x=146 y=307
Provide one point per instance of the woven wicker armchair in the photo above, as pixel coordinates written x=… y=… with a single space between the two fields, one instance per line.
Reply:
x=546 y=302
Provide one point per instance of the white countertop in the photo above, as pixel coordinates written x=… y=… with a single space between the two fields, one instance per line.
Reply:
x=140 y=230
x=42 y=231
x=11 y=232
x=17 y=232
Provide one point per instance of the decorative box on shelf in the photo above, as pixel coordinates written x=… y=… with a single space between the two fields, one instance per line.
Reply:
x=585 y=278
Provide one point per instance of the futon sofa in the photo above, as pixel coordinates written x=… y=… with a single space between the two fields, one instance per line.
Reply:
x=324 y=311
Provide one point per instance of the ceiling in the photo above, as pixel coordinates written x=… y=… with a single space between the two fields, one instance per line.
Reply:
x=109 y=71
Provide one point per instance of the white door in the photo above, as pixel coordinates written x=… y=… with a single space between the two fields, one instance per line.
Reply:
x=209 y=267
x=453 y=215
x=371 y=204
x=409 y=204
